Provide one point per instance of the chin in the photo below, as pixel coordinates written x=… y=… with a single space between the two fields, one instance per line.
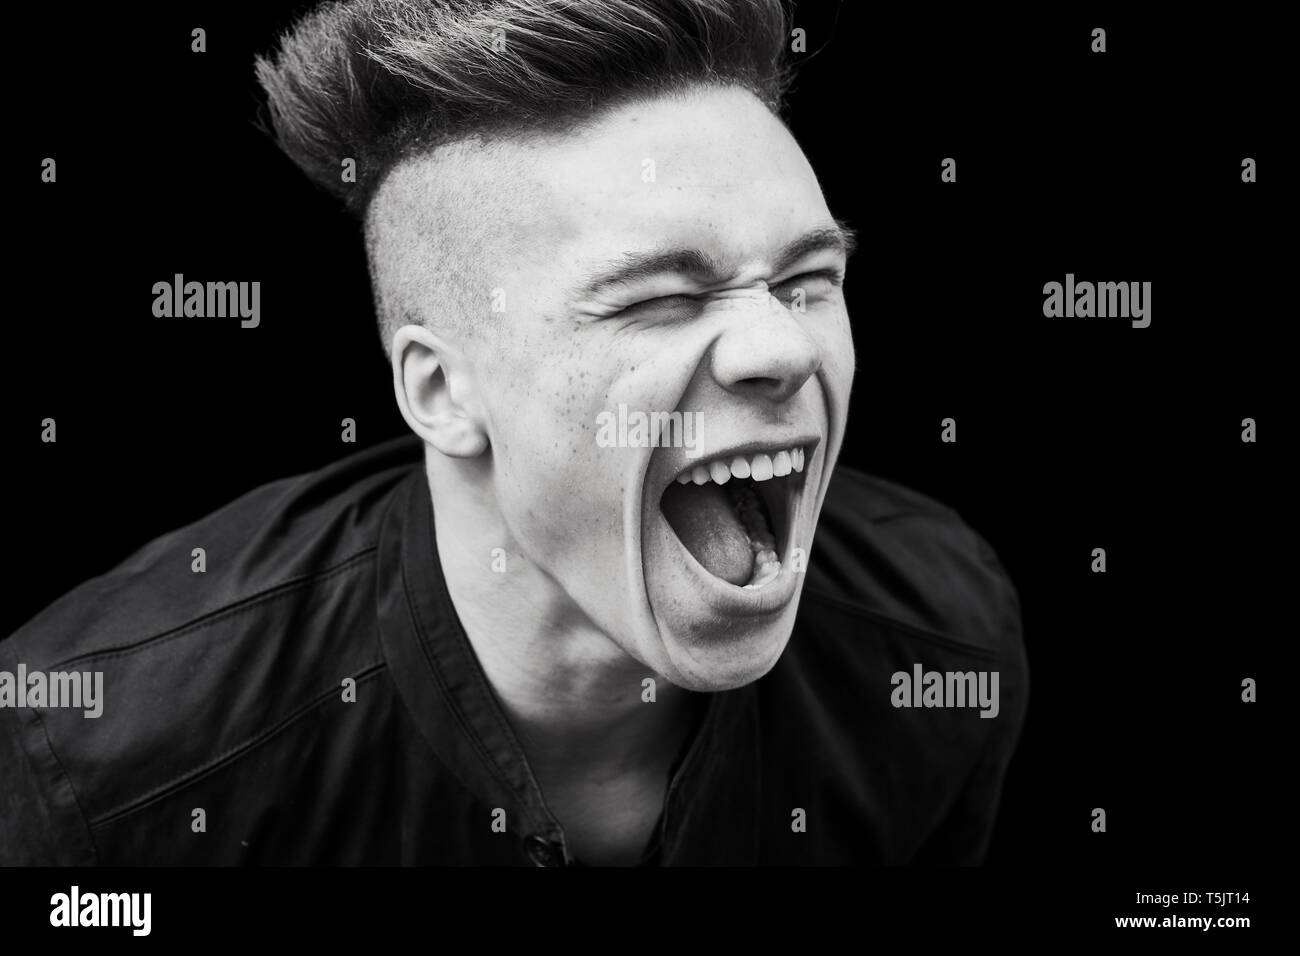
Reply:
x=721 y=662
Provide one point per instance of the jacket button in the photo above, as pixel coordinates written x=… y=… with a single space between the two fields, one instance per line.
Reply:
x=543 y=853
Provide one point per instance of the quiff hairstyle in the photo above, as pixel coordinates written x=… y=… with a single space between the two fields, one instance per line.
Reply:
x=379 y=81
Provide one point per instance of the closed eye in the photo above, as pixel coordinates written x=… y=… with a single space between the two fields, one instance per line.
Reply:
x=664 y=303
x=816 y=284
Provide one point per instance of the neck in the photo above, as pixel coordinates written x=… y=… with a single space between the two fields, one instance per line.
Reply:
x=573 y=696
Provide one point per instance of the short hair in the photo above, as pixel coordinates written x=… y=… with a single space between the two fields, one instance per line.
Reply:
x=379 y=81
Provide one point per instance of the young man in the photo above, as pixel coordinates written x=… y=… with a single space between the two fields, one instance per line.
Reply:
x=582 y=619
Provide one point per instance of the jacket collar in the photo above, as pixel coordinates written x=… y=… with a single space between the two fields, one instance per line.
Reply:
x=710 y=813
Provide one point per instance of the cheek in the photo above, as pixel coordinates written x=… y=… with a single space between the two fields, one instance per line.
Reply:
x=550 y=491
x=554 y=480
x=537 y=392
x=834 y=337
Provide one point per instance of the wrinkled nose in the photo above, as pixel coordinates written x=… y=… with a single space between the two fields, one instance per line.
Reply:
x=764 y=352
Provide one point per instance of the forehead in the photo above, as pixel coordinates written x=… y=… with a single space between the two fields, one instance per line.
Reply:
x=705 y=141
x=709 y=167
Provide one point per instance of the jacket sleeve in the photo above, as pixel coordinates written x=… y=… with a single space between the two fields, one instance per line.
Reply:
x=963 y=837
x=41 y=823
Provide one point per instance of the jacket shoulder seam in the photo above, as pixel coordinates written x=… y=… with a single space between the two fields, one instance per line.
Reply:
x=233 y=609
x=228 y=756
x=933 y=637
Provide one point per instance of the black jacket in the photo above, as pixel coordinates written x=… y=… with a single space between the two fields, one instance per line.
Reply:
x=224 y=693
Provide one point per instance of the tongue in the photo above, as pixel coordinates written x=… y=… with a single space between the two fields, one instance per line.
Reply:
x=705 y=520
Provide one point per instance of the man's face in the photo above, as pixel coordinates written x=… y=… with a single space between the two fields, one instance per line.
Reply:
x=732 y=314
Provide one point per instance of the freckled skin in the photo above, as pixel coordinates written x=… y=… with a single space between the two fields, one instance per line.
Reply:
x=587 y=591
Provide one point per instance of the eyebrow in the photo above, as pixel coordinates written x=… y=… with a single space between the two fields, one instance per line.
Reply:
x=637 y=266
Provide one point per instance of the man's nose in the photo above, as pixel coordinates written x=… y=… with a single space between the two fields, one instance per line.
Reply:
x=764 y=351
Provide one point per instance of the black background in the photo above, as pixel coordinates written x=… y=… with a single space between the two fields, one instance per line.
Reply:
x=1072 y=434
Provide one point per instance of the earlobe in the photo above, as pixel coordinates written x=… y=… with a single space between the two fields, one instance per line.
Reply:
x=434 y=392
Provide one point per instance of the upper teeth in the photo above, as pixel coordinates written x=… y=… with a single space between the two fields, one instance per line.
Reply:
x=760 y=467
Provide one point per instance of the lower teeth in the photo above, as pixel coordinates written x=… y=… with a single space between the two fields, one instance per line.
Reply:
x=766 y=564
x=763 y=574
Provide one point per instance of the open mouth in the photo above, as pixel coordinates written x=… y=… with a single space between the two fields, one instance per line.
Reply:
x=733 y=513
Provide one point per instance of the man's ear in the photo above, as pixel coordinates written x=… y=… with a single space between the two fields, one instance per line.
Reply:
x=435 y=392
